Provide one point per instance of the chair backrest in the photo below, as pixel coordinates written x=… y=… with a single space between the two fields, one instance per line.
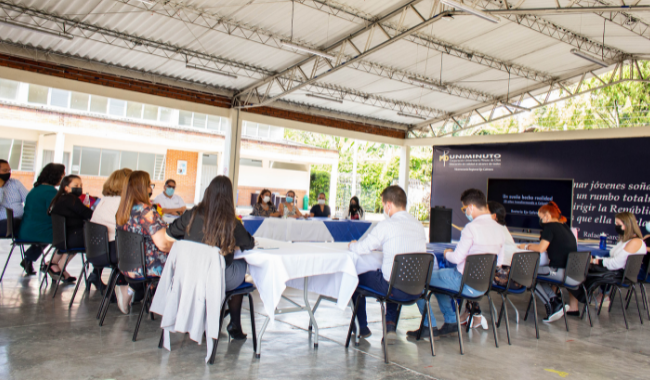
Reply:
x=523 y=268
x=411 y=272
x=58 y=231
x=577 y=266
x=632 y=268
x=10 y=223
x=96 y=241
x=130 y=251
x=479 y=272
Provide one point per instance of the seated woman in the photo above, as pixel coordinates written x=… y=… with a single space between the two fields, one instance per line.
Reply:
x=135 y=214
x=355 y=211
x=37 y=224
x=557 y=241
x=629 y=243
x=321 y=209
x=287 y=208
x=264 y=206
x=213 y=222
x=104 y=214
x=66 y=203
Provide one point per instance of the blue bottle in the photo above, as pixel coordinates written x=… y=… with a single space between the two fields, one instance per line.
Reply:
x=603 y=241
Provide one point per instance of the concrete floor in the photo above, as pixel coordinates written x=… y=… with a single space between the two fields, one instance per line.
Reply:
x=40 y=338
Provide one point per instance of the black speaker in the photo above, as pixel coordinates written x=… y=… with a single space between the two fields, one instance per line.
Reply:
x=440 y=225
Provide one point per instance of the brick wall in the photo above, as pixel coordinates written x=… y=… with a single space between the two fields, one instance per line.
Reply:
x=94 y=185
x=26 y=178
x=244 y=195
x=185 y=184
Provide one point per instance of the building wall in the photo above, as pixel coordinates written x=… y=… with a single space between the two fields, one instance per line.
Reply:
x=250 y=176
x=185 y=184
x=244 y=194
x=26 y=178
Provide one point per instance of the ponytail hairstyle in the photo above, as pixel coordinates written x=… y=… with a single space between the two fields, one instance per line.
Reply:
x=497 y=209
x=552 y=209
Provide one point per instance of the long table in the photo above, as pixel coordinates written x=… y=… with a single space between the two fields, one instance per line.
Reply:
x=310 y=230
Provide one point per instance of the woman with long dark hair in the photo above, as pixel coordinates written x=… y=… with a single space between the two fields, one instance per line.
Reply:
x=213 y=222
x=355 y=211
x=264 y=206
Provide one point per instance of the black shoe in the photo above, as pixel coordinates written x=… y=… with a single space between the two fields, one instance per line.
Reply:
x=28 y=266
x=235 y=332
x=573 y=313
x=69 y=280
x=424 y=333
x=95 y=280
x=557 y=310
x=448 y=329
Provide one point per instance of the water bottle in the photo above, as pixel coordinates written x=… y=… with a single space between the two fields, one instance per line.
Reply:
x=286 y=212
x=603 y=241
x=87 y=200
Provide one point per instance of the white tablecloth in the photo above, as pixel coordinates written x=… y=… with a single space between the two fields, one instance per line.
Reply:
x=330 y=268
x=298 y=230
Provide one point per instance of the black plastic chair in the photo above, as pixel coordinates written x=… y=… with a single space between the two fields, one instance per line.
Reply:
x=577 y=266
x=629 y=281
x=523 y=270
x=15 y=242
x=644 y=295
x=411 y=273
x=477 y=274
x=131 y=255
x=59 y=239
x=97 y=250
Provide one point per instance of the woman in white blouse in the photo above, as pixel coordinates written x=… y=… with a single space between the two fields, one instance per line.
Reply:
x=630 y=242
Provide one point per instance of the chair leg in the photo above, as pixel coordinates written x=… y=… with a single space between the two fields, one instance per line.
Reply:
x=399 y=311
x=351 y=328
x=503 y=306
x=47 y=270
x=252 y=310
x=310 y=327
x=636 y=298
x=622 y=307
x=460 y=333
x=58 y=281
x=144 y=305
x=602 y=299
x=587 y=299
x=76 y=287
x=383 y=326
x=493 y=314
x=532 y=297
x=109 y=294
x=644 y=295
x=628 y=298
x=7 y=262
x=428 y=301
x=564 y=310
x=532 y=291
x=505 y=310
x=162 y=339
x=101 y=305
x=611 y=299
x=214 y=351
x=433 y=350
x=47 y=252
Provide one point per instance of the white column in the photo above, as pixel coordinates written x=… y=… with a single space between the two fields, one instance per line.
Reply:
x=38 y=162
x=232 y=149
x=334 y=176
x=404 y=164
x=59 y=145
x=199 y=179
x=355 y=150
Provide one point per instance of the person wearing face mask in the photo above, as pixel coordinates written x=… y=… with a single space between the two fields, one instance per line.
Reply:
x=320 y=210
x=287 y=208
x=172 y=205
x=12 y=195
x=399 y=233
x=355 y=212
x=264 y=207
x=557 y=241
x=481 y=235
x=66 y=203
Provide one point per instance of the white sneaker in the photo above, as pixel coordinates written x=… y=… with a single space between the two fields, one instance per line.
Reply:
x=391 y=338
x=482 y=322
x=557 y=315
x=123 y=301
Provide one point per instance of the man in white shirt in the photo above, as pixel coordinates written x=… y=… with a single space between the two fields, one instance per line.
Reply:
x=172 y=205
x=481 y=235
x=399 y=233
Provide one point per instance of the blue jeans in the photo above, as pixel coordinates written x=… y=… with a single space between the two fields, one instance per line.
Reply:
x=448 y=278
x=375 y=281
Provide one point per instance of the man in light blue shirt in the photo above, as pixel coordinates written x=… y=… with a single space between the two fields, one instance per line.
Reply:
x=12 y=195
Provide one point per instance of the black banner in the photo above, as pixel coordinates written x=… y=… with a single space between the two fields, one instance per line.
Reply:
x=610 y=176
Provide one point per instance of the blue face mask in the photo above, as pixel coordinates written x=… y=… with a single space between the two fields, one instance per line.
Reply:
x=289 y=199
x=468 y=214
x=169 y=191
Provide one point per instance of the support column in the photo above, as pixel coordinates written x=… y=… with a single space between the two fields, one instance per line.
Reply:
x=232 y=150
x=199 y=179
x=404 y=165
x=334 y=176
x=355 y=150
x=38 y=162
x=59 y=145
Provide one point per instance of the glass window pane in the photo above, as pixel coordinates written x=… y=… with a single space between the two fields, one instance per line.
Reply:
x=59 y=98
x=263 y=130
x=79 y=101
x=66 y=161
x=250 y=162
x=28 y=156
x=165 y=115
x=129 y=160
x=150 y=112
x=98 y=104
x=134 y=110
x=90 y=161
x=76 y=158
x=8 y=89
x=16 y=152
x=147 y=162
x=199 y=120
x=185 y=118
x=37 y=94
x=214 y=123
x=48 y=157
x=5 y=147
x=110 y=162
x=117 y=107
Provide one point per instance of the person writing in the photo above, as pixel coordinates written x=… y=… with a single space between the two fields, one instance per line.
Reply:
x=557 y=241
x=172 y=205
x=320 y=210
x=213 y=222
x=481 y=235
x=399 y=233
x=12 y=195
x=287 y=208
x=355 y=211
x=264 y=207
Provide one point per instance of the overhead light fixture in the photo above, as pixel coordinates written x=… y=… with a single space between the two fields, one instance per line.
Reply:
x=210 y=70
x=337 y=100
x=308 y=50
x=411 y=115
x=589 y=57
x=439 y=86
x=30 y=28
x=469 y=9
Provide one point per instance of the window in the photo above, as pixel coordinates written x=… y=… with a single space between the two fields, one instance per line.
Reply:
x=250 y=162
x=102 y=162
x=90 y=161
x=59 y=98
x=48 y=157
x=214 y=123
x=290 y=166
x=185 y=118
x=165 y=115
x=250 y=129
x=20 y=154
x=199 y=120
x=150 y=112
x=98 y=104
x=8 y=89
x=133 y=110
x=79 y=101
x=117 y=107
x=37 y=94
x=110 y=162
x=263 y=131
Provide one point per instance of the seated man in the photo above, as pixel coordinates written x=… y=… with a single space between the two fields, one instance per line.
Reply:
x=172 y=205
x=399 y=233
x=12 y=195
x=481 y=235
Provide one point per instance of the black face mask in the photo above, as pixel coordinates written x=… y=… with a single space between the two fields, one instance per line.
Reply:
x=541 y=223
x=5 y=177
x=76 y=191
x=619 y=229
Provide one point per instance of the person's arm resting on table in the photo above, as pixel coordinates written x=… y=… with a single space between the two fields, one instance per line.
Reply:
x=462 y=248
x=370 y=243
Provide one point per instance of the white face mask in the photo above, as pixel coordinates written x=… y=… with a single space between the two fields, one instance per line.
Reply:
x=266 y=199
x=321 y=201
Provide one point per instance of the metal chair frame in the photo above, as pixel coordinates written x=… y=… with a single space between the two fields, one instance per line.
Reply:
x=644 y=295
x=91 y=247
